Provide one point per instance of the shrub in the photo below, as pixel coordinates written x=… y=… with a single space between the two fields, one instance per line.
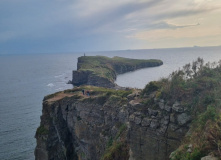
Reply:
x=42 y=131
x=118 y=151
x=210 y=114
x=151 y=87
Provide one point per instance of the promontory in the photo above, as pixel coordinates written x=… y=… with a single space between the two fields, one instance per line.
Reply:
x=102 y=71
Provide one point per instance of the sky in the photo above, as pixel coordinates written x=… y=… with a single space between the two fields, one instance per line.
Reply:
x=54 y=26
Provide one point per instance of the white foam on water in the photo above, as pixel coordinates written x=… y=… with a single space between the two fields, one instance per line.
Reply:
x=50 y=85
x=58 y=76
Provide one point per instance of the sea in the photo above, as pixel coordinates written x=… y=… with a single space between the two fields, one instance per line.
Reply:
x=26 y=78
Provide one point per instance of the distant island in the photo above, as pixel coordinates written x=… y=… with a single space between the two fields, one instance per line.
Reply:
x=102 y=71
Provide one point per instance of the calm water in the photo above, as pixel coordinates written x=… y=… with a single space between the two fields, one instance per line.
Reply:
x=26 y=79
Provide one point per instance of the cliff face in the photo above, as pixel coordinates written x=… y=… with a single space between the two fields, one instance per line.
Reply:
x=87 y=77
x=81 y=128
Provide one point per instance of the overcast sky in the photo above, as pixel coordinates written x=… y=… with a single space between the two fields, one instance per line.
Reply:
x=48 y=26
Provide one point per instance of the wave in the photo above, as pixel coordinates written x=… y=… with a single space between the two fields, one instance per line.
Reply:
x=50 y=85
x=58 y=76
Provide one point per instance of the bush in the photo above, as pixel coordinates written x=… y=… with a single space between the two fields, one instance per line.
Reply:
x=42 y=131
x=151 y=87
x=210 y=114
x=118 y=151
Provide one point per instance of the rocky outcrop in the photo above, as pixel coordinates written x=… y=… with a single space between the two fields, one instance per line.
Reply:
x=87 y=77
x=82 y=128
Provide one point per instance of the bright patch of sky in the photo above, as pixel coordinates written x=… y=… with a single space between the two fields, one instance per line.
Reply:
x=43 y=26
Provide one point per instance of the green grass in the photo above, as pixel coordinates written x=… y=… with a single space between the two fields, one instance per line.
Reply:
x=51 y=96
x=117 y=151
x=96 y=91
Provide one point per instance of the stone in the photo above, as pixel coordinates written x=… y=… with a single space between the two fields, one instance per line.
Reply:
x=135 y=104
x=167 y=117
x=209 y=158
x=190 y=146
x=152 y=112
x=168 y=108
x=131 y=96
x=131 y=118
x=137 y=113
x=177 y=107
x=145 y=122
x=189 y=150
x=161 y=105
x=69 y=82
x=183 y=118
x=164 y=122
x=154 y=124
x=173 y=118
x=137 y=120
x=162 y=129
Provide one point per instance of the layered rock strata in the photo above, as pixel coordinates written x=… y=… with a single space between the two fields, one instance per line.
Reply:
x=75 y=127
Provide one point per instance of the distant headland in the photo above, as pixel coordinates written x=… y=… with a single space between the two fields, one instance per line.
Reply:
x=102 y=71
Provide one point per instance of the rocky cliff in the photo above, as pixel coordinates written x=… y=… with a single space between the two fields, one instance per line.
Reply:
x=110 y=124
x=102 y=71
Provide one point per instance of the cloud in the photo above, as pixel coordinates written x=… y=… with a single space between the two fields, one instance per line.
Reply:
x=49 y=26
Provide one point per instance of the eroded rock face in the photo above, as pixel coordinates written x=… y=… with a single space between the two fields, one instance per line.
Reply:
x=81 y=129
x=87 y=78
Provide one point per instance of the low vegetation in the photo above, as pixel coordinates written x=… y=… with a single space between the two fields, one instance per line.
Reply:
x=117 y=148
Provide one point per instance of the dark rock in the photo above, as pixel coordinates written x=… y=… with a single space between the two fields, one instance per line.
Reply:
x=168 y=108
x=69 y=82
x=183 y=118
x=154 y=124
x=145 y=122
x=177 y=108
x=152 y=112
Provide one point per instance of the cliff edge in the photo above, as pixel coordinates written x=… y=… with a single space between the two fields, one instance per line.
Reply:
x=108 y=124
x=102 y=71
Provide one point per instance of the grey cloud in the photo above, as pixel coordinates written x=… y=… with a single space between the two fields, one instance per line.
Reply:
x=165 y=25
x=117 y=14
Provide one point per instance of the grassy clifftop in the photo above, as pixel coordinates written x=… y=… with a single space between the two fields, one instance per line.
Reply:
x=107 y=68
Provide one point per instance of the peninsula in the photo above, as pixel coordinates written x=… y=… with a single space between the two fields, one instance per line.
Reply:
x=102 y=71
